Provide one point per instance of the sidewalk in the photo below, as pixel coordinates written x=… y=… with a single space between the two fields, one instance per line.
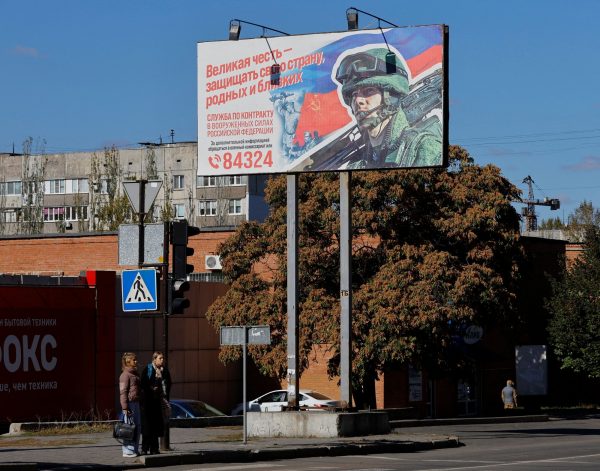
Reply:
x=196 y=446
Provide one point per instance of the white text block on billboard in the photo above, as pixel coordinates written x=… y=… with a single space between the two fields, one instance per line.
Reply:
x=355 y=100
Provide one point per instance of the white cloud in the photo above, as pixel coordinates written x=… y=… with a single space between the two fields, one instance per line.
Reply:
x=26 y=51
x=588 y=163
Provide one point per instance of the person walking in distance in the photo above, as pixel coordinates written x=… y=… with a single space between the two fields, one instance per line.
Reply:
x=509 y=395
x=129 y=396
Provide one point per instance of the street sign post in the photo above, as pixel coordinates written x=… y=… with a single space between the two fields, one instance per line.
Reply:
x=154 y=235
x=141 y=194
x=132 y=190
x=139 y=290
x=244 y=335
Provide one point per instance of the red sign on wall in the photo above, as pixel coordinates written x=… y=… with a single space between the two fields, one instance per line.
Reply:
x=48 y=346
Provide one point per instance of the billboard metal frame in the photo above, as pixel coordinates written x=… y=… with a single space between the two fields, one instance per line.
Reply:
x=306 y=123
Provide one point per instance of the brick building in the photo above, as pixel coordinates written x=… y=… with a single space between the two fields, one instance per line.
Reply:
x=194 y=344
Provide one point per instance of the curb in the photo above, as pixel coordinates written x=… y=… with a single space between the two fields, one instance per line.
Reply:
x=20 y=427
x=251 y=455
x=399 y=424
x=198 y=422
x=19 y=466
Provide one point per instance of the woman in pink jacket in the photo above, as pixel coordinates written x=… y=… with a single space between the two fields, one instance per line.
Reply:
x=129 y=396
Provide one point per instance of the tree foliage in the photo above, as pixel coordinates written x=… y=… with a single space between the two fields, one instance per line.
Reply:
x=583 y=218
x=433 y=249
x=574 y=307
x=108 y=205
x=31 y=220
x=552 y=224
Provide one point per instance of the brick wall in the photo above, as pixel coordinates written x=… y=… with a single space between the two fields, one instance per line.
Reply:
x=70 y=255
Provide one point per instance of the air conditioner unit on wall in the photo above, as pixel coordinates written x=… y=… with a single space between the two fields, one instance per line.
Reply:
x=212 y=262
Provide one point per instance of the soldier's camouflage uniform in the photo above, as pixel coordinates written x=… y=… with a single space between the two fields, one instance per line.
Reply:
x=403 y=144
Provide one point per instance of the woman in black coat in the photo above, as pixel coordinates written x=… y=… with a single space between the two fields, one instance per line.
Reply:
x=156 y=383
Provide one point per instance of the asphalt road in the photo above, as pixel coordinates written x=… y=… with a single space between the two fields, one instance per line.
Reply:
x=557 y=445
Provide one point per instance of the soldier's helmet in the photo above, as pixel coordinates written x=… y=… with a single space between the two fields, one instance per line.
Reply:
x=373 y=68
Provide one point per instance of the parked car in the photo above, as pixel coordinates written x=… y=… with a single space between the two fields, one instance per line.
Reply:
x=189 y=408
x=277 y=400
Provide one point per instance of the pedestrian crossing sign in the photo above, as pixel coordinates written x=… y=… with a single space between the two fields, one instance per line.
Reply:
x=139 y=290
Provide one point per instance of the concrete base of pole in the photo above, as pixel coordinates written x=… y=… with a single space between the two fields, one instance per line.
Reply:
x=165 y=440
x=307 y=424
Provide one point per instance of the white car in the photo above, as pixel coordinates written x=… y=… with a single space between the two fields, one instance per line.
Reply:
x=276 y=401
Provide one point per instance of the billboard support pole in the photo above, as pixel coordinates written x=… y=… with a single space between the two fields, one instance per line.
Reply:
x=345 y=289
x=165 y=440
x=292 y=292
x=244 y=385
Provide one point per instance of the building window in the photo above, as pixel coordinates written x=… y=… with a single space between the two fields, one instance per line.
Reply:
x=80 y=185
x=54 y=214
x=31 y=188
x=233 y=180
x=10 y=188
x=68 y=213
x=54 y=187
x=206 y=181
x=9 y=216
x=76 y=213
x=207 y=207
x=178 y=182
x=179 y=211
x=235 y=206
x=104 y=186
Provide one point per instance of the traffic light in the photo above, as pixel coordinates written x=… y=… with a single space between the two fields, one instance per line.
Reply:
x=180 y=231
x=177 y=301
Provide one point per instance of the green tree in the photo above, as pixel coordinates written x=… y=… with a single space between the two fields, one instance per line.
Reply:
x=151 y=166
x=580 y=220
x=574 y=307
x=109 y=207
x=167 y=212
x=31 y=219
x=433 y=249
x=551 y=224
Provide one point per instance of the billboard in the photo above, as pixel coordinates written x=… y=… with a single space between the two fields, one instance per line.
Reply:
x=369 y=99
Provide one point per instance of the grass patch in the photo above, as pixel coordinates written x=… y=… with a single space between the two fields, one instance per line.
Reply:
x=32 y=442
x=231 y=437
x=72 y=429
x=580 y=410
x=577 y=407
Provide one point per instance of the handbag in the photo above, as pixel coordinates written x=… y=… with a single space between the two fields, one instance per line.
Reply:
x=124 y=430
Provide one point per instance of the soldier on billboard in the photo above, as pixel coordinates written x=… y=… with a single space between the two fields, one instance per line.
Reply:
x=374 y=84
x=290 y=116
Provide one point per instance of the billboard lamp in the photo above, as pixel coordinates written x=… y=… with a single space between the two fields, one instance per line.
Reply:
x=352 y=17
x=235 y=28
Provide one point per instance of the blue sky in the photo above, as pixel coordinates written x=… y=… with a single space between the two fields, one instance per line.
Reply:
x=523 y=75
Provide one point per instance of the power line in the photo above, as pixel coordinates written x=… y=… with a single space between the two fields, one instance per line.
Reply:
x=573 y=188
x=531 y=141
x=547 y=133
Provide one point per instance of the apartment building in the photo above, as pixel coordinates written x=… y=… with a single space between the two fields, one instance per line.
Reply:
x=56 y=193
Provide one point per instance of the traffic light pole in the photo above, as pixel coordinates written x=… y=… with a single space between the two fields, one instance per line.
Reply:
x=141 y=217
x=139 y=206
x=165 y=441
